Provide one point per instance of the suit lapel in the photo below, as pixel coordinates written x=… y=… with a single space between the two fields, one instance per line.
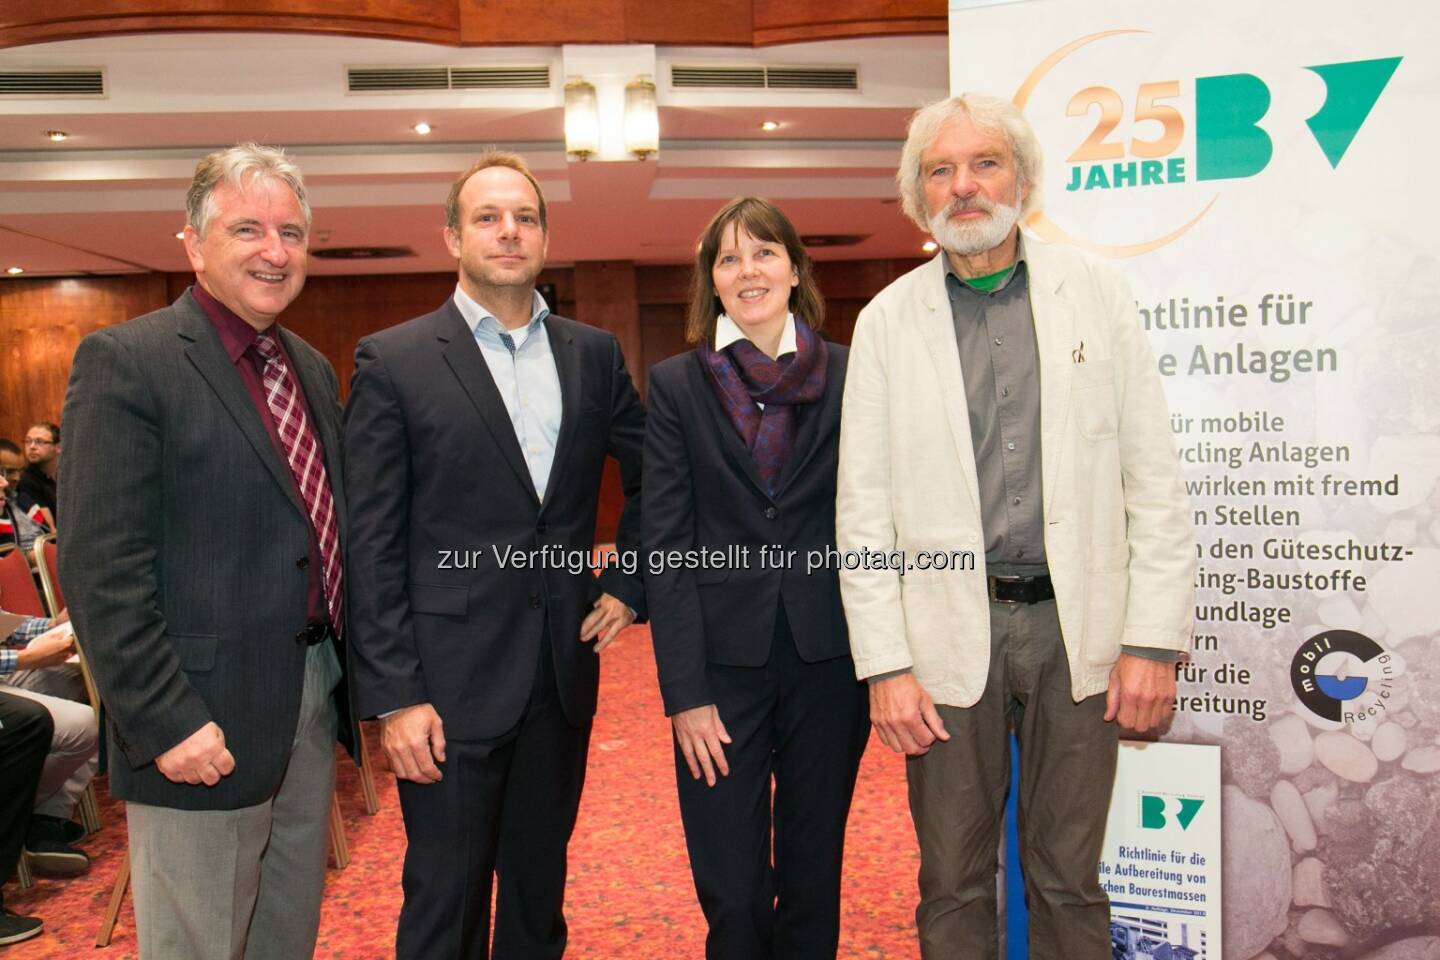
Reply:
x=730 y=442
x=937 y=328
x=203 y=349
x=809 y=418
x=462 y=354
x=567 y=367
x=1054 y=341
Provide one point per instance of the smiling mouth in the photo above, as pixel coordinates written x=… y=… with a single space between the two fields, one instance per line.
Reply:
x=753 y=294
x=268 y=277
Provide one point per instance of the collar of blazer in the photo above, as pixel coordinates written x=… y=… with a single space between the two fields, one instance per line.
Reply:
x=462 y=354
x=1047 y=269
x=204 y=349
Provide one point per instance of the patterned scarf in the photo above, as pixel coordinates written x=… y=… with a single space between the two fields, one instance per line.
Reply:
x=743 y=377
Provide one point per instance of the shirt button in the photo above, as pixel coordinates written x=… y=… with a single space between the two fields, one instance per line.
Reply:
x=998 y=341
x=1004 y=391
x=1010 y=445
x=1020 y=552
x=535 y=601
x=302 y=562
x=1016 y=501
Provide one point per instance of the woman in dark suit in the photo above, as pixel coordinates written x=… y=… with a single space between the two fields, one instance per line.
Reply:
x=754 y=659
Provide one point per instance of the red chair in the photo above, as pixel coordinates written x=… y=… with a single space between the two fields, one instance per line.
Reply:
x=17 y=587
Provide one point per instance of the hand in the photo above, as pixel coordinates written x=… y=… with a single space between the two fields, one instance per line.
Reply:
x=1141 y=694
x=49 y=648
x=605 y=620
x=63 y=618
x=700 y=734
x=199 y=758
x=904 y=715
x=414 y=740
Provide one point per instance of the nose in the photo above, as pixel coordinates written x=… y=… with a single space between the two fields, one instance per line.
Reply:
x=963 y=185
x=276 y=253
x=509 y=226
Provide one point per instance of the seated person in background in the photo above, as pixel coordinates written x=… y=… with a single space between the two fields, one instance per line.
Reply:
x=25 y=735
x=73 y=755
x=21 y=519
x=42 y=450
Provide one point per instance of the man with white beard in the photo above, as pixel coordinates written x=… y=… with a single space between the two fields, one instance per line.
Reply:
x=1001 y=399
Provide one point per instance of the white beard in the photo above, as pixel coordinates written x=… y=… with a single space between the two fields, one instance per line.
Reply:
x=973 y=237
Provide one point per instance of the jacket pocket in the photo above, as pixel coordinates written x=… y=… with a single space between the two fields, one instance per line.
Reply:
x=1092 y=394
x=443 y=599
x=195 y=650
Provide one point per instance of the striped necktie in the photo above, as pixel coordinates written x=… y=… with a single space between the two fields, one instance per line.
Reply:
x=307 y=466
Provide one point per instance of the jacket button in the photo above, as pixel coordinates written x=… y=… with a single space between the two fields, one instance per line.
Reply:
x=534 y=601
x=771 y=513
x=539 y=528
x=303 y=562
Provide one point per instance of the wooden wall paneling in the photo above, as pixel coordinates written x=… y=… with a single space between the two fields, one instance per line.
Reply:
x=42 y=322
x=691 y=22
x=38 y=21
x=793 y=21
x=485 y=22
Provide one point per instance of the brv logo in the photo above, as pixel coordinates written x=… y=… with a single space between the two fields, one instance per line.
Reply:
x=1158 y=810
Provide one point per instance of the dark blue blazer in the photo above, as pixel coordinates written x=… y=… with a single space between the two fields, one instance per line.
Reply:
x=702 y=491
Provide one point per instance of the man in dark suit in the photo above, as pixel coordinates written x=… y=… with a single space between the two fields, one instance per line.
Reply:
x=475 y=437
x=211 y=607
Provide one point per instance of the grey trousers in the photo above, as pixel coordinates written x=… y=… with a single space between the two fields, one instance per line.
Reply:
x=74 y=749
x=957 y=800
x=243 y=884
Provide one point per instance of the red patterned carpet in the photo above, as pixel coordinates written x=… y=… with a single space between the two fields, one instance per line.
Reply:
x=630 y=894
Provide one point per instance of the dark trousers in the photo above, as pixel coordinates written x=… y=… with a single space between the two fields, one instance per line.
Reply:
x=805 y=725
x=504 y=806
x=957 y=799
x=25 y=732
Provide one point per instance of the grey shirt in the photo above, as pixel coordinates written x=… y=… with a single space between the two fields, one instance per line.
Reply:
x=995 y=333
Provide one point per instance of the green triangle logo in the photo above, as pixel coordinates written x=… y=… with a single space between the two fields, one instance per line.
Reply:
x=1351 y=90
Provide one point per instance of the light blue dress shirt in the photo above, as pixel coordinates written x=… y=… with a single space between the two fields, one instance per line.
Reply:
x=524 y=370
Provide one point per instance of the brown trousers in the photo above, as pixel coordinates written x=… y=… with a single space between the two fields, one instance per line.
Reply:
x=957 y=800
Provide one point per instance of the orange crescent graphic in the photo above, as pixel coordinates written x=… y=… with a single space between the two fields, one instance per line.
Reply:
x=1039 y=222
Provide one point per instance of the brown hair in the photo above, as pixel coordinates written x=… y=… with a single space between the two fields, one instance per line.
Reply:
x=762 y=220
x=491 y=158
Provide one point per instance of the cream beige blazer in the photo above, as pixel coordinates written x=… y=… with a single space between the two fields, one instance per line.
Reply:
x=1118 y=533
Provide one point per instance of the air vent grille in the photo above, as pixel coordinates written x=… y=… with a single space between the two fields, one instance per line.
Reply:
x=409 y=79
x=39 y=84
x=716 y=76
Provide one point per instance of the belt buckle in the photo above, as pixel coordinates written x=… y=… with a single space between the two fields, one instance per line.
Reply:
x=992 y=584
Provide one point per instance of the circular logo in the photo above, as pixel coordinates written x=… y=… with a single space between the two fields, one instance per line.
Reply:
x=1341 y=675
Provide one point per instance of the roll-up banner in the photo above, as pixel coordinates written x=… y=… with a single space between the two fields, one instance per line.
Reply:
x=1265 y=175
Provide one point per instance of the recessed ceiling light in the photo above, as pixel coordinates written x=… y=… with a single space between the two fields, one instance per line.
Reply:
x=179 y=234
x=57 y=135
x=15 y=271
x=422 y=128
x=929 y=246
x=769 y=125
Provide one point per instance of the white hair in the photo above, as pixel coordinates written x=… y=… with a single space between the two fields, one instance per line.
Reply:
x=987 y=113
x=239 y=166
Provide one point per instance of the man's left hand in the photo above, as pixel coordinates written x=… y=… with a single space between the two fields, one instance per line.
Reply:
x=1141 y=694
x=606 y=619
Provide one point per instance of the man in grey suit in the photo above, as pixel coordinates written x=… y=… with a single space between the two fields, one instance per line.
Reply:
x=201 y=559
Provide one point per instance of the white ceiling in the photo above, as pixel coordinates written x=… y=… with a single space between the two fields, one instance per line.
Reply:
x=110 y=199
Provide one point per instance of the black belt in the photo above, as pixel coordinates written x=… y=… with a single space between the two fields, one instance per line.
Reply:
x=1020 y=589
x=314 y=633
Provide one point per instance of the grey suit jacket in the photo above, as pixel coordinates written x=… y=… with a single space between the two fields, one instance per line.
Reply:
x=184 y=546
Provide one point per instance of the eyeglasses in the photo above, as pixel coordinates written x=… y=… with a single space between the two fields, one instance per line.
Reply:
x=37 y=442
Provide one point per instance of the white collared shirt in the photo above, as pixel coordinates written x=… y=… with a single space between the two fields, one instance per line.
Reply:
x=524 y=369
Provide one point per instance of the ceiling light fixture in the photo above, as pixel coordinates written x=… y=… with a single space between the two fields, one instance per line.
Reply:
x=929 y=246
x=422 y=128
x=642 y=119
x=582 y=120
x=57 y=136
x=179 y=234
x=15 y=271
x=769 y=125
